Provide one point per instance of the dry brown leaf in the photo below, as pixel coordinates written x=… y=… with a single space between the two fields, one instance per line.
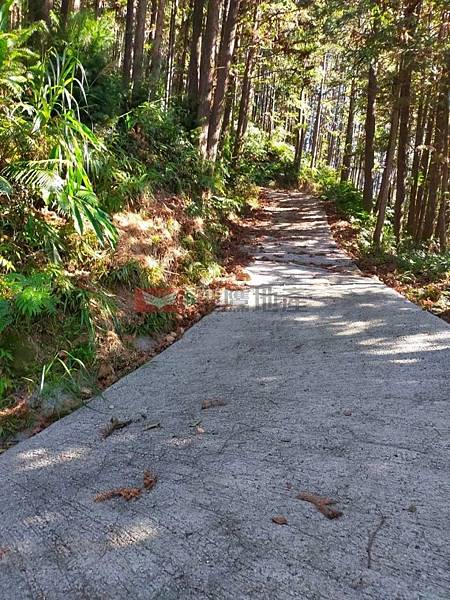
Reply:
x=3 y=551
x=280 y=520
x=199 y=429
x=18 y=410
x=149 y=480
x=212 y=403
x=127 y=493
x=322 y=504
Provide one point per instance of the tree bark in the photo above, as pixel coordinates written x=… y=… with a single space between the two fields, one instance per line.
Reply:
x=66 y=9
x=171 y=51
x=405 y=74
x=403 y=136
x=421 y=196
x=348 y=146
x=317 y=121
x=383 y=195
x=128 y=48
x=223 y=69
x=420 y=129
x=156 y=60
x=207 y=63
x=300 y=135
x=438 y=158
x=369 y=151
x=194 y=57
x=244 y=104
x=181 y=52
x=139 y=39
x=39 y=10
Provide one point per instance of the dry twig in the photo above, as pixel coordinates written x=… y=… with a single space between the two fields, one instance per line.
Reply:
x=372 y=539
x=212 y=403
x=112 y=426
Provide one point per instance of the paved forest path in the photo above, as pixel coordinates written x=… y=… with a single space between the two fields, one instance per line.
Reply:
x=340 y=387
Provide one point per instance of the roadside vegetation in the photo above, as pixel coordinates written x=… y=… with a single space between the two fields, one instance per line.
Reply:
x=134 y=135
x=419 y=271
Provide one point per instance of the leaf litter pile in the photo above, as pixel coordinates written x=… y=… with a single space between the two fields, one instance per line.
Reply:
x=129 y=493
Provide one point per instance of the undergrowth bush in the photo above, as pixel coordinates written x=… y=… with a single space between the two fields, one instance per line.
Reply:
x=265 y=159
x=76 y=156
x=413 y=262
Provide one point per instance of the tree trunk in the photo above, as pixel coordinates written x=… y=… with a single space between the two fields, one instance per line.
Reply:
x=405 y=74
x=39 y=10
x=207 y=71
x=171 y=51
x=97 y=8
x=317 y=121
x=300 y=135
x=369 y=152
x=348 y=146
x=128 y=49
x=139 y=39
x=420 y=129
x=438 y=158
x=66 y=9
x=420 y=201
x=442 y=219
x=194 y=58
x=156 y=60
x=182 y=53
x=402 y=157
x=230 y=100
x=383 y=195
x=223 y=68
x=244 y=104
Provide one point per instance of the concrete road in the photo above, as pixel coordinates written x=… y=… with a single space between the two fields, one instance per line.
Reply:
x=332 y=384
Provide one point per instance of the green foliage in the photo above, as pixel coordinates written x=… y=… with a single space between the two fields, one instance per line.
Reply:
x=30 y=296
x=265 y=158
x=6 y=360
x=160 y=142
x=74 y=152
x=93 y=40
x=412 y=262
x=347 y=198
x=420 y=262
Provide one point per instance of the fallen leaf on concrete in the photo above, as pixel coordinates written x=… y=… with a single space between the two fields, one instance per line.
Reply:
x=127 y=493
x=3 y=551
x=199 y=429
x=322 y=504
x=149 y=480
x=195 y=423
x=280 y=520
x=112 y=426
x=212 y=403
